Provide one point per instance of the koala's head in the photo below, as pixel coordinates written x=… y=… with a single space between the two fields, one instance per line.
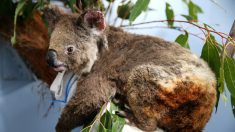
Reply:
x=75 y=40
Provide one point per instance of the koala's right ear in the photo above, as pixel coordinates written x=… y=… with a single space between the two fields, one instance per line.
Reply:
x=52 y=15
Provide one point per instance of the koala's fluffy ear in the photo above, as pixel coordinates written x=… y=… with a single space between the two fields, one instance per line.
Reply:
x=94 y=19
x=52 y=15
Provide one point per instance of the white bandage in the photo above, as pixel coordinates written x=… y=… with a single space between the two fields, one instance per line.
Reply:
x=64 y=86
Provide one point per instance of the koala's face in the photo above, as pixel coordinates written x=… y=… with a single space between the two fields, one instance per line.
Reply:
x=75 y=41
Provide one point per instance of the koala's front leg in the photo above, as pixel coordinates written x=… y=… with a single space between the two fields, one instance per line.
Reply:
x=91 y=93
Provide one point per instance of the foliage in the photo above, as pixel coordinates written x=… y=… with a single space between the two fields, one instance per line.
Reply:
x=18 y=10
x=140 y=5
x=229 y=72
x=123 y=10
x=88 y=4
x=106 y=120
x=183 y=40
x=211 y=55
x=233 y=105
x=193 y=11
x=213 y=52
x=169 y=15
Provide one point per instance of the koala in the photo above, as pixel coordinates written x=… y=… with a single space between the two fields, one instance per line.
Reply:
x=164 y=85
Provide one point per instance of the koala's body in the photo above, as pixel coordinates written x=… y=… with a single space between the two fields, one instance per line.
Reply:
x=163 y=84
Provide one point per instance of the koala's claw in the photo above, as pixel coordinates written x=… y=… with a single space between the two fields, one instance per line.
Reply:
x=116 y=101
x=121 y=113
x=127 y=107
x=127 y=114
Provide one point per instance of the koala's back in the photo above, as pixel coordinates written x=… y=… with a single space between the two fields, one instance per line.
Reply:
x=165 y=85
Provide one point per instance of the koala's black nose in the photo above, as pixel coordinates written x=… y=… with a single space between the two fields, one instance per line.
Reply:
x=51 y=57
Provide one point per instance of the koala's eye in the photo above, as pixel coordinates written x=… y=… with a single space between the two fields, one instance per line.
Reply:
x=70 y=49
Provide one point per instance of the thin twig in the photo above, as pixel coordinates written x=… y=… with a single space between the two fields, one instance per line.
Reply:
x=178 y=29
x=221 y=34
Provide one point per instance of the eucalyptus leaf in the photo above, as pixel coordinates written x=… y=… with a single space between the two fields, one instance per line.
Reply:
x=101 y=128
x=113 y=107
x=182 y=39
x=118 y=123
x=210 y=54
x=194 y=10
x=233 y=105
x=186 y=1
x=91 y=4
x=71 y=4
x=110 y=1
x=29 y=8
x=169 y=15
x=123 y=10
x=105 y=122
x=18 y=10
x=208 y=26
x=189 y=18
x=229 y=73
x=220 y=80
x=86 y=129
x=224 y=98
x=140 y=5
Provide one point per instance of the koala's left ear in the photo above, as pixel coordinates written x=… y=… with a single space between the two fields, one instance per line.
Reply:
x=94 y=19
x=52 y=15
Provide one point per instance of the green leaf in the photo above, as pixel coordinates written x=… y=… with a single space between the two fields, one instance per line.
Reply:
x=92 y=4
x=220 y=80
x=110 y=1
x=194 y=10
x=123 y=10
x=224 y=98
x=169 y=15
x=217 y=101
x=140 y=5
x=29 y=8
x=71 y=4
x=18 y=10
x=118 y=123
x=189 y=18
x=41 y=4
x=113 y=107
x=186 y=1
x=210 y=54
x=208 y=26
x=183 y=40
x=233 y=105
x=229 y=73
x=102 y=128
x=86 y=129
x=106 y=121
x=198 y=8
